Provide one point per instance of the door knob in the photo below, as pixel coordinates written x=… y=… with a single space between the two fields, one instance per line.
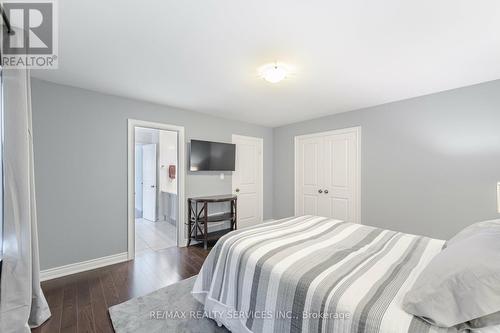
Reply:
x=326 y=191
x=152 y=186
x=237 y=190
x=320 y=191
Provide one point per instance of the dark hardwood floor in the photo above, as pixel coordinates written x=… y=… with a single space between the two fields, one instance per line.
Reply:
x=79 y=303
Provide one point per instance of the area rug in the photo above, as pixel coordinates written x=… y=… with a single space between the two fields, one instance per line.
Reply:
x=170 y=309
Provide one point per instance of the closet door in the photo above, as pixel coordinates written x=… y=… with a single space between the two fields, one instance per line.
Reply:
x=309 y=172
x=340 y=181
x=327 y=174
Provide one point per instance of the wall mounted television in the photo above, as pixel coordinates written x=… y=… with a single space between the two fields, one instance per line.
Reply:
x=212 y=156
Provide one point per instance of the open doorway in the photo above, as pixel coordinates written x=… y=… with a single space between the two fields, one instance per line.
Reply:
x=157 y=193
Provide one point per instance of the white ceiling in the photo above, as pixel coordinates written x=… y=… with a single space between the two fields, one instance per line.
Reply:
x=204 y=55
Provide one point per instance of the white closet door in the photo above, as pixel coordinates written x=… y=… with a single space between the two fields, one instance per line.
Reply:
x=340 y=178
x=328 y=175
x=309 y=164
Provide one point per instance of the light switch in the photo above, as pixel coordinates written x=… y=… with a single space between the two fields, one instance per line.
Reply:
x=222 y=176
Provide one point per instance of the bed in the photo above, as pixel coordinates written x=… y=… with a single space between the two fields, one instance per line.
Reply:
x=314 y=274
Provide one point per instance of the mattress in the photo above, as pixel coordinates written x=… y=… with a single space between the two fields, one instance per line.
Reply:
x=314 y=274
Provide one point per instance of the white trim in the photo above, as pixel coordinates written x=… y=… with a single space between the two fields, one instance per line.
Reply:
x=295 y=175
x=52 y=273
x=261 y=180
x=357 y=131
x=181 y=145
x=498 y=197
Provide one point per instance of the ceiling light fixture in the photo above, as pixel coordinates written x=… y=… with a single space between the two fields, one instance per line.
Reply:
x=274 y=72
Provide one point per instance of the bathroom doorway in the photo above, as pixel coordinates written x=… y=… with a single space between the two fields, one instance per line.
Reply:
x=156 y=195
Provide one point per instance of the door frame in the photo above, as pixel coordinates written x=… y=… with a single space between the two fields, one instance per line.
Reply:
x=356 y=130
x=181 y=160
x=260 y=142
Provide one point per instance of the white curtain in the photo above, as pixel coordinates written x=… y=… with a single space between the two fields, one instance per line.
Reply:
x=22 y=303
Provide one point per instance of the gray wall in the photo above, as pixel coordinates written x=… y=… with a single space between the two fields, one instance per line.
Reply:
x=81 y=167
x=429 y=165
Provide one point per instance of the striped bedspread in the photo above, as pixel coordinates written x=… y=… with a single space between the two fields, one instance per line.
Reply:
x=314 y=274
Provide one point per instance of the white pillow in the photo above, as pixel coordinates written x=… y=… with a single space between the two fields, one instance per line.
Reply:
x=461 y=285
x=486 y=226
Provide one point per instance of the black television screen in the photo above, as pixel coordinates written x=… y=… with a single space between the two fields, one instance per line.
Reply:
x=212 y=156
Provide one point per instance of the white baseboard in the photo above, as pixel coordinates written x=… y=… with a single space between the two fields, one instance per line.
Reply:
x=52 y=273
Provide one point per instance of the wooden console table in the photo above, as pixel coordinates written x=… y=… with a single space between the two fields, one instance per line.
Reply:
x=199 y=219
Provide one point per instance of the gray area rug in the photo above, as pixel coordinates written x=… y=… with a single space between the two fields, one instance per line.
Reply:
x=170 y=309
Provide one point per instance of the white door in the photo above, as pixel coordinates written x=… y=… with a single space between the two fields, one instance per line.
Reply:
x=138 y=181
x=248 y=180
x=310 y=160
x=328 y=174
x=149 y=165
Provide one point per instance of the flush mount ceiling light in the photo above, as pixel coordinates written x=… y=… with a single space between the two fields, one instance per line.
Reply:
x=274 y=72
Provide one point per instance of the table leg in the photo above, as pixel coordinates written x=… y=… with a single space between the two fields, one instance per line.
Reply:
x=205 y=243
x=189 y=222
x=235 y=213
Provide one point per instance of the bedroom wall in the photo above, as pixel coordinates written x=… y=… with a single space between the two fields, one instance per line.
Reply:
x=430 y=165
x=80 y=145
